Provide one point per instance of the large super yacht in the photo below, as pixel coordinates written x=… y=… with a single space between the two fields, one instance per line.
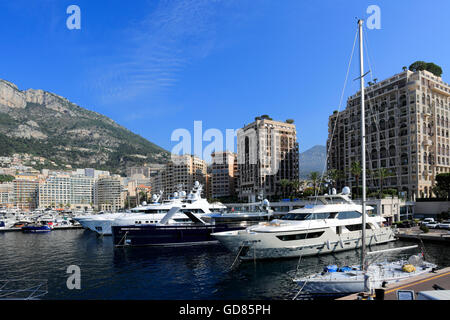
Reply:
x=154 y=212
x=330 y=223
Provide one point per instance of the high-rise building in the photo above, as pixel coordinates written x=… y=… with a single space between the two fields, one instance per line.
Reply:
x=25 y=192
x=267 y=154
x=223 y=174
x=407 y=133
x=6 y=195
x=109 y=193
x=180 y=171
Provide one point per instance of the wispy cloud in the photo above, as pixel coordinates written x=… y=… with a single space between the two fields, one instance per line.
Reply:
x=158 y=48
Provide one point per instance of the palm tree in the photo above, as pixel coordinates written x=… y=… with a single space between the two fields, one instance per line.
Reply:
x=356 y=171
x=382 y=174
x=284 y=183
x=314 y=177
x=295 y=185
x=334 y=175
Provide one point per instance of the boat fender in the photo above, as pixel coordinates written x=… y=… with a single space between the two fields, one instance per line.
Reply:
x=328 y=244
x=408 y=268
x=331 y=268
x=341 y=242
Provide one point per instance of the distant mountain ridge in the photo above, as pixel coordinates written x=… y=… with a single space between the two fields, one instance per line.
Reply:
x=313 y=159
x=44 y=124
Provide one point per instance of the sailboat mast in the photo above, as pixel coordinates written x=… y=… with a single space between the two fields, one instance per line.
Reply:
x=363 y=145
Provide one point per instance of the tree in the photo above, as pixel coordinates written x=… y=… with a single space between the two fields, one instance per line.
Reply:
x=442 y=186
x=356 y=171
x=382 y=174
x=429 y=66
x=284 y=184
x=295 y=186
x=335 y=176
x=314 y=177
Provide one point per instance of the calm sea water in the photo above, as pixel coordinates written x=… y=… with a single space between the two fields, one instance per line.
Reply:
x=200 y=272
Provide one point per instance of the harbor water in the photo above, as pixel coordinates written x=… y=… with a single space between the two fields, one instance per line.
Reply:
x=185 y=273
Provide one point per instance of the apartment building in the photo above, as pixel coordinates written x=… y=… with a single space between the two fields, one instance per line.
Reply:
x=223 y=174
x=180 y=171
x=6 y=195
x=267 y=153
x=66 y=190
x=148 y=170
x=407 y=132
x=109 y=193
x=25 y=191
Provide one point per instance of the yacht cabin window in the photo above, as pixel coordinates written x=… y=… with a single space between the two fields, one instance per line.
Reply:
x=306 y=216
x=349 y=215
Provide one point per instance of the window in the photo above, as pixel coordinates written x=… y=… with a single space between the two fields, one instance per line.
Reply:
x=357 y=227
x=301 y=236
x=349 y=215
x=305 y=216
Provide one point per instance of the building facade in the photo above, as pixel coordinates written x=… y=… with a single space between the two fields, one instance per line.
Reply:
x=25 y=192
x=407 y=133
x=223 y=174
x=65 y=190
x=180 y=171
x=267 y=154
x=109 y=193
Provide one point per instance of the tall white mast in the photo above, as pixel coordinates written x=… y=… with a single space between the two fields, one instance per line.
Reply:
x=363 y=145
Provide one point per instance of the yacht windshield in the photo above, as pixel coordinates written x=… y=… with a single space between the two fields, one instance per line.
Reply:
x=306 y=216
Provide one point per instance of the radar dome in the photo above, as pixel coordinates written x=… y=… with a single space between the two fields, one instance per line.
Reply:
x=175 y=194
x=346 y=190
x=144 y=203
x=196 y=183
x=183 y=193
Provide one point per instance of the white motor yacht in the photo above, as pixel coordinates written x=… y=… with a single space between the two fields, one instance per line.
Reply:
x=331 y=223
x=153 y=212
x=192 y=203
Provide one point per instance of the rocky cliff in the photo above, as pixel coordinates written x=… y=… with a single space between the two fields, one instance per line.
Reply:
x=44 y=124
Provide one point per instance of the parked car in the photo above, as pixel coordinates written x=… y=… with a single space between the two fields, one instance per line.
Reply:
x=432 y=225
x=444 y=225
x=427 y=220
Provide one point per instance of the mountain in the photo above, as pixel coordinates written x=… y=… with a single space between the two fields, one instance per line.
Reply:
x=44 y=124
x=312 y=160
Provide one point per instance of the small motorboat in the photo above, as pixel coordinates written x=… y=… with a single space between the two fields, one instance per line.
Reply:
x=36 y=228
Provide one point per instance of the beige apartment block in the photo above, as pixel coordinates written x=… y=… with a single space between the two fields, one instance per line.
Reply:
x=109 y=193
x=25 y=191
x=223 y=174
x=267 y=153
x=180 y=171
x=407 y=132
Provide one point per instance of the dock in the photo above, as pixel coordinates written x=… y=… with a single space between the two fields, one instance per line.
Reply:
x=426 y=282
x=416 y=234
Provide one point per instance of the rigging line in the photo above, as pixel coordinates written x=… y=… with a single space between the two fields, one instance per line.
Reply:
x=337 y=116
x=334 y=130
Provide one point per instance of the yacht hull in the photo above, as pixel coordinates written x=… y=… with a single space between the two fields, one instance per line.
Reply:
x=166 y=235
x=262 y=245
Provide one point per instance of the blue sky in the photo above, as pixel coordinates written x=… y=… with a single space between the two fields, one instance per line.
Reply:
x=156 y=66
